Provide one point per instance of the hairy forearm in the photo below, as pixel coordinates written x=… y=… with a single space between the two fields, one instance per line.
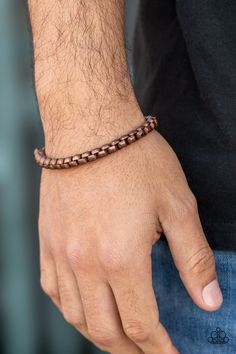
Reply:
x=84 y=92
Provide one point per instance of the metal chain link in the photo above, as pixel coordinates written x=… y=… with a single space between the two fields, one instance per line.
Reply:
x=94 y=154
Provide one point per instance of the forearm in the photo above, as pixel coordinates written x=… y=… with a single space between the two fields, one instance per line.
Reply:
x=83 y=87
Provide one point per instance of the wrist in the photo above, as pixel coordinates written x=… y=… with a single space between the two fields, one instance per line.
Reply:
x=85 y=157
x=89 y=131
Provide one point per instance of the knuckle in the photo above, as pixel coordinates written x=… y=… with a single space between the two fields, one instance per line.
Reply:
x=113 y=261
x=73 y=319
x=48 y=289
x=202 y=261
x=76 y=255
x=102 y=337
x=116 y=266
x=137 y=331
x=65 y=296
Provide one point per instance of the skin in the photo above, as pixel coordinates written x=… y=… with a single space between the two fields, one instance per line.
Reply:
x=98 y=222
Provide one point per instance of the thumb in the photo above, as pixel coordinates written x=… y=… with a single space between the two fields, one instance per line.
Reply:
x=192 y=254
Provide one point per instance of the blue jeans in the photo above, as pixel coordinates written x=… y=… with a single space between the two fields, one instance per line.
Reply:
x=193 y=330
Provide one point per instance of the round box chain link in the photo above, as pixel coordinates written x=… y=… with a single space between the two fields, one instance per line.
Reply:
x=79 y=159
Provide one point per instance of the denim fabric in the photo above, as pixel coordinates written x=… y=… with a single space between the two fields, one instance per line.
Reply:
x=193 y=330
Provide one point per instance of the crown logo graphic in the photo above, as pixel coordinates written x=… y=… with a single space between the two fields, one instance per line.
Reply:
x=218 y=337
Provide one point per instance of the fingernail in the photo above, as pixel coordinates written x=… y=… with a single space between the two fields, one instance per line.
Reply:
x=212 y=295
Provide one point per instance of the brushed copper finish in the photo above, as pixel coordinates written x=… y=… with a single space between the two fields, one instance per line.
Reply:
x=88 y=156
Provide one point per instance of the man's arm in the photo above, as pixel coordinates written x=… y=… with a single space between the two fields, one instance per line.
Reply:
x=98 y=222
x=83 y=87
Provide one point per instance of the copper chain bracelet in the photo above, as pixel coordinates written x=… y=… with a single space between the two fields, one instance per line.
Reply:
x=92 y=155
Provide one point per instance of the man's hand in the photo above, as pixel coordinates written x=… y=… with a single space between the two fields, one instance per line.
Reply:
x=98 y=222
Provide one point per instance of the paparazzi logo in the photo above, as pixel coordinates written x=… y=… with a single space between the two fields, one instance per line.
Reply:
x=218 y=336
